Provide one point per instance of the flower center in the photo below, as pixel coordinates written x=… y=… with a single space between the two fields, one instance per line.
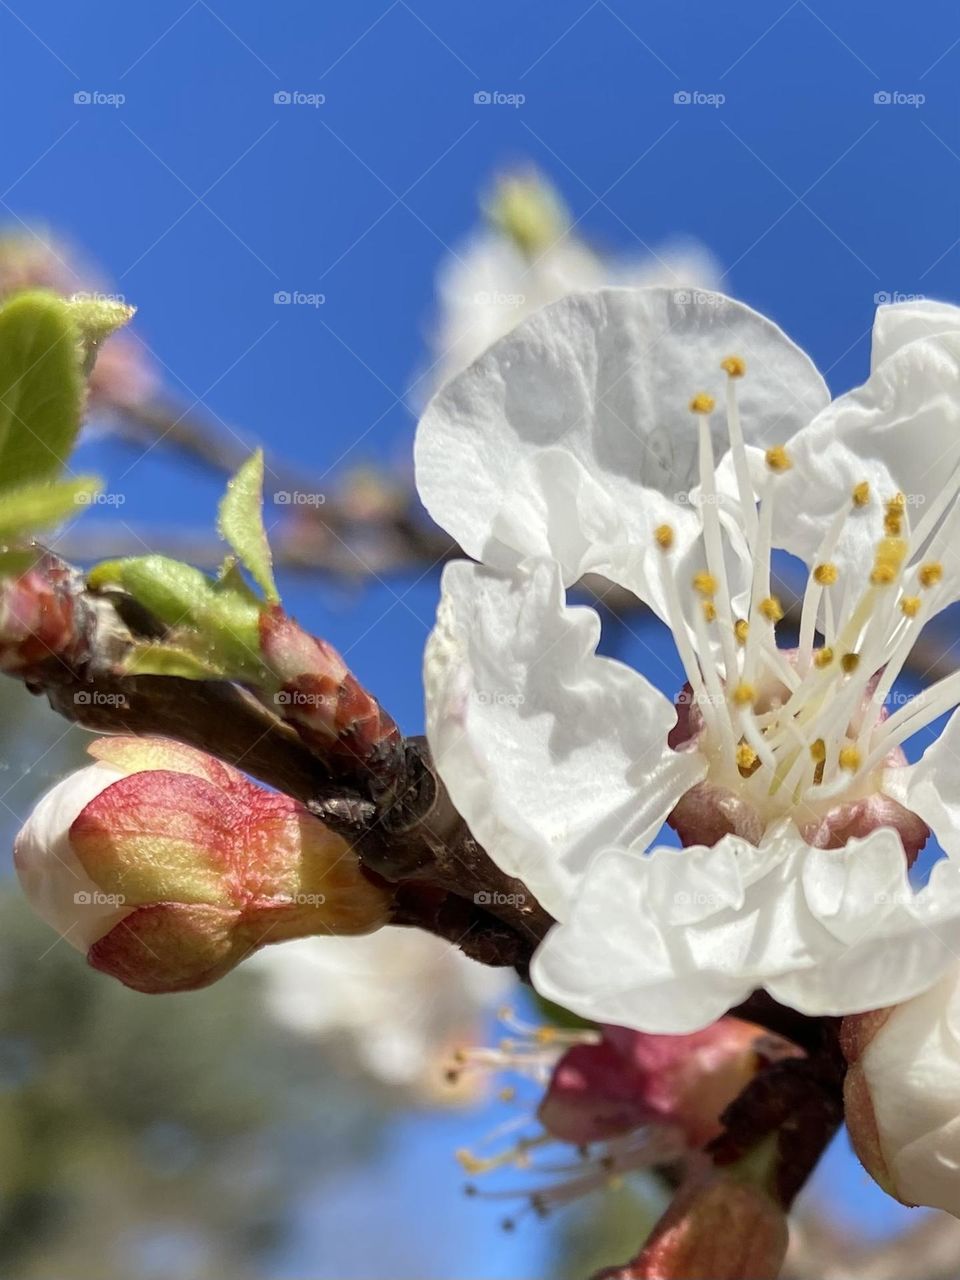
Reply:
x=797 y=734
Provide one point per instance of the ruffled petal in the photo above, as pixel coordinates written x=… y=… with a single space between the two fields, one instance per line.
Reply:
x=896 y=324
x=548 y=751
x=931 y=787
x=604 y=378
x=669 y=942
x=900 y=432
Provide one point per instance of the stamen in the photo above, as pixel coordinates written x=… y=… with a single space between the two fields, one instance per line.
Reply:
x=664 y=536
x=823 y=657
x=744 y=695
x=825 y=575
x=861 y=494
x=747 y=758
x=741 y=629
x=849 y=662
x=930 y=574
x=702 y=403
x=818 y=751
x=705 y=584
x=849 y=759
x=771 y=608
x=778 y=459
x=735 y=367
x=709 y=610
x=910 y=606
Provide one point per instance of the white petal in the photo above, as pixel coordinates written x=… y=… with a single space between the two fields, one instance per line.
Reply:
x=912 y=1070
x=669 y=942
x=931 y=787
x=900 y=432
x=56 y=885
x=899 y=323
x=605 y=377
x=548 y=751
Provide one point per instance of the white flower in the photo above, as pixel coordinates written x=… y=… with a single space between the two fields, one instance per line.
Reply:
x=530 y=256
x=669 y=441
x=901 y=1095
x=395 y=1003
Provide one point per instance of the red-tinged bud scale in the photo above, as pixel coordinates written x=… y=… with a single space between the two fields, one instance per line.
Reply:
x=317 y=694
x=38 y=615
x=718 y=1227
x=167 y=867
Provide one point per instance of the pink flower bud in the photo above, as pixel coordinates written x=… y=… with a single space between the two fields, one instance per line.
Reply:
x=167 y=867
x=325 y=703
x=629 y=1079
x=718 y=1226
x=902 y=1095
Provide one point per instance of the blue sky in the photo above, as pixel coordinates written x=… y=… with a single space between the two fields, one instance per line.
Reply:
x=202 y=197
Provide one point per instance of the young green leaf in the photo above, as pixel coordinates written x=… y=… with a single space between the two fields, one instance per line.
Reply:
x=96 y=317
x=240 y=522
x=40 y=506
x=41 y=388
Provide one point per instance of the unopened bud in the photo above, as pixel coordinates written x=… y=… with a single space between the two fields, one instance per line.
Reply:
x=719 y=1225
x=167 y=867
x=902 y=1095
x=600 y=1091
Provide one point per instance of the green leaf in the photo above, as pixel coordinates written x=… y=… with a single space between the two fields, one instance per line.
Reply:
x=40 y=506
x=96 y=317
x=41 y=388
x=226 y=622
x=240 y=522
x=170 y=660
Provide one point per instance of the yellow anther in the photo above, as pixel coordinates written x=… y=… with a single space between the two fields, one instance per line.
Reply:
x=778 y=459
x=545 y=1035
x=893 y=523
x=849 y=759
x=704 y=583
x=910 y=606
x=771 y=608
x=507 y=1093
x=746 y=757
x=744 y=694
x=849 y=662
x=930 y=573
x=741 y=629
x=889 y=556
x=709 y=610
x=702 y=403
x=664 y=536
x=898 y=503
x=823 y=657
x=818 y=751
x=735 y=366
x=861 y=494
x=826 y=574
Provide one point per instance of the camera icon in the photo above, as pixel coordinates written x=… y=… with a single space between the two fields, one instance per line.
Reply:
x=282 y=699
x=682 y=97
x=881 y=297
x=682 y=297
x=282 y=98
x=482 y=98
x=82 y=898
x=282 y=498
x=882 y=98
x=483 y=898
x=82 y=98
x=82 y=699
x=282 y=298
